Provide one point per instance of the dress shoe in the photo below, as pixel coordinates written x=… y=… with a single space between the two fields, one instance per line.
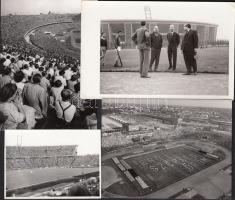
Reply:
x=169 y=67
x=187 y=74
x=116 y=65
x=156 y=69
x=145 y=77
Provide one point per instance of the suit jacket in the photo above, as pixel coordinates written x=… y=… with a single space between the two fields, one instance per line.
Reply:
x=173 y=39
x=156 y=41
x=190 y=41
x=140 y=39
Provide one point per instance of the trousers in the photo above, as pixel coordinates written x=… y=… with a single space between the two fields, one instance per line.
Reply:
x=144 y=62
x=155 y=55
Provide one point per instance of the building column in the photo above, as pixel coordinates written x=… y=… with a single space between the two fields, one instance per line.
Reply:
x=128 y=33
x=110 y=37
x=206 y=35
x=132 y=45
x=194 y=26
x=176 y=28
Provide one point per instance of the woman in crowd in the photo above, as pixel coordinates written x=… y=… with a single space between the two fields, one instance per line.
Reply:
x=6 y=77
x=73 y=81
x=11 y=107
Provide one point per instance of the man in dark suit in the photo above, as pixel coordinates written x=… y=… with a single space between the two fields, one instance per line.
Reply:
x=156 y=45
x=189 y=46
x=173 y=42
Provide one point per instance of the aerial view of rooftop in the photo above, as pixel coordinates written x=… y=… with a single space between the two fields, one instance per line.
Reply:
x=179 y=149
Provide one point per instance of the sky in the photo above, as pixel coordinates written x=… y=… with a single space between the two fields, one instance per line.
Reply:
x=88 y=141
x=34 y=7
x=218 y=13
x=179 y=102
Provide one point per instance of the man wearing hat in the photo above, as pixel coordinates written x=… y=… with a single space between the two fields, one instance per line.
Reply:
x=173 y=39
x=142 y=39
x=188 y=47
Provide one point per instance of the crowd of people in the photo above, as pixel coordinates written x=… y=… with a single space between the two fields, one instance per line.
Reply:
x=52 y=161
x=41 y=90
x=83 y=187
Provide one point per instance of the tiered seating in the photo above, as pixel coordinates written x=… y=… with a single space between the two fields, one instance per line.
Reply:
x=53 y=156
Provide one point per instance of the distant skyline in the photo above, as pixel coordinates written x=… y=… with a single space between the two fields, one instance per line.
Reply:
x=34 y=7
x=88 y=142
x=177 y=102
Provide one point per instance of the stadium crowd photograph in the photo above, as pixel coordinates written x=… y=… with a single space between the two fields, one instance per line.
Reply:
x=55 y=163
x=154 y=50
x=40 y=70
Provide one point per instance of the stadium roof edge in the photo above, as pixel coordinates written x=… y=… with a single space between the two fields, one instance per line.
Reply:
x=158 y=20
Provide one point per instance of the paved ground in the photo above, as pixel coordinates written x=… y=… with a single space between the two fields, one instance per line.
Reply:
x=163 y=83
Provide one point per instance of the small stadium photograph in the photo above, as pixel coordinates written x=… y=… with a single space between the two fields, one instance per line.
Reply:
x=40 y=67
x=157 y=63
x=55 y=164
x=166 y=149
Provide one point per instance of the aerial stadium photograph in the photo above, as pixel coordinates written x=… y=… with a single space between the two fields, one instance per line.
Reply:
x=166 y=149
x=40 y=67
x=166 y=48
x=55 y=164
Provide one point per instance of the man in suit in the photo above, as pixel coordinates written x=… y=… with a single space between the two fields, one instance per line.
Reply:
x=142 y=39
x=189 y=46
x=156 y=45
x=173 y=39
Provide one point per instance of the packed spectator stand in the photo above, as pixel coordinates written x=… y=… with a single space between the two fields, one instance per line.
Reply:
x=41 y=90
x=19 y=157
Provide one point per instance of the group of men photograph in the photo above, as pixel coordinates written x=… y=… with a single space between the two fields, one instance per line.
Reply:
x=149 y=46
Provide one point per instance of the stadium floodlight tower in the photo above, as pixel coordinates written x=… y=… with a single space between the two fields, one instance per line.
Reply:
x=147 y=11
x=19 y=143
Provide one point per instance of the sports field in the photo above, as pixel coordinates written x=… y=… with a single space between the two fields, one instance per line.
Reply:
x=160 y=168
x=212 y=60
x=27 y=177
x=61 y=40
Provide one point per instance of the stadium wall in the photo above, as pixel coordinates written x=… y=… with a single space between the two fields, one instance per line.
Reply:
x=206 y=32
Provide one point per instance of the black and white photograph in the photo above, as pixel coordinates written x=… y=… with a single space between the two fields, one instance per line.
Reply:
x=40 y=67
x=161 y=48
x=55 y=164
x=166 y=149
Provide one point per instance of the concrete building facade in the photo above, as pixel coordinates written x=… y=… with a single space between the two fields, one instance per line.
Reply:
x=206 y=32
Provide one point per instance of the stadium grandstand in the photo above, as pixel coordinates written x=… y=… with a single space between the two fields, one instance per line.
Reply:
x=206 y=32
x=51 y=171
x=184 y=153
x=40 y=74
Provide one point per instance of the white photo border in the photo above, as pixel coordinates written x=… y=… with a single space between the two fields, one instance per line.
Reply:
x=95 y=12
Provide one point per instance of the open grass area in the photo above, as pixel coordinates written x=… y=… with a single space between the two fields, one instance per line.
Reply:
x=211 y=60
